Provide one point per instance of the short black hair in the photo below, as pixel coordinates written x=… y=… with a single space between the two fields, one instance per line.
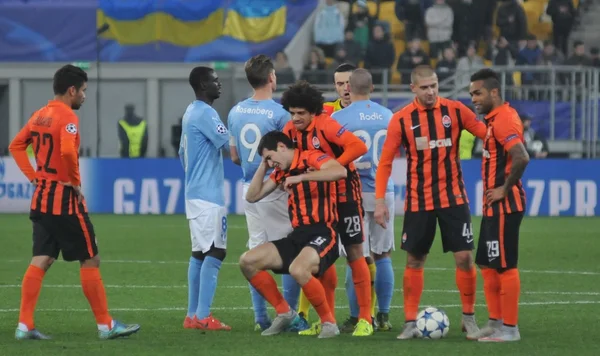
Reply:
x=258 y=69
x=199 y=75
x=345 y=67
x=303 y=95
x=489 y=77
x=270 y=140
x=68 y=76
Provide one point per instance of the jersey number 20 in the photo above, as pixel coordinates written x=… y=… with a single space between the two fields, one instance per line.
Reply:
x=370 y=142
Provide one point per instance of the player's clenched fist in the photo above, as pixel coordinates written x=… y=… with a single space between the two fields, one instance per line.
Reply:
x=382 y=214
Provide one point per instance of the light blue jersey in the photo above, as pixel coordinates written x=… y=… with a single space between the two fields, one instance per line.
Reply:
x=248 y=122
x=368 y=121
x=203 y=136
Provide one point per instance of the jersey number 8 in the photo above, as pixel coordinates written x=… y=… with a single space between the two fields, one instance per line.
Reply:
x=370 y=142
x=252 y=146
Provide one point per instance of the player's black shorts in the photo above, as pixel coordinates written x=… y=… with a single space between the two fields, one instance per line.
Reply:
x=320 y=237
x=350 y=223
x=419 y=228
x=498 y=245
x=73 y=235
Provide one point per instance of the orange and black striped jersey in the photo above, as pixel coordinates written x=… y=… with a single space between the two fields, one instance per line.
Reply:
x=310 y=202
x=430 y=137
x=53 y=131
x=504 y=130
x=328 y=136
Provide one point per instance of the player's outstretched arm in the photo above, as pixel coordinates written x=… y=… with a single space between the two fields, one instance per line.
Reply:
x=470 y=122
x=259 y=188
x=18 y=149
x=391 y=145
x=353 y=146
x=329 y=171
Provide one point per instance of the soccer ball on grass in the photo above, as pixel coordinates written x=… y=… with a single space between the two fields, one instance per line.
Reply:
x=432 y=323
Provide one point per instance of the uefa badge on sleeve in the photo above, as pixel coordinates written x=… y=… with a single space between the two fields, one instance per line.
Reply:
x=71 y=128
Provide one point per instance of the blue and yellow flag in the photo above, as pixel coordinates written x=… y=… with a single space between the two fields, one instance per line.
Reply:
x=255 y=20
x=198 y=30
x=181 y=23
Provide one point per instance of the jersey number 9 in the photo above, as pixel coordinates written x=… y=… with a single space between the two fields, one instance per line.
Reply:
x=251 y=146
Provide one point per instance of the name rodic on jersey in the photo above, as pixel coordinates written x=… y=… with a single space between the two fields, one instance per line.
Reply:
x=369 y=122
x=248 y=122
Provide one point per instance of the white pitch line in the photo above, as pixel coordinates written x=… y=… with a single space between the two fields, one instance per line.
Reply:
x=184 y=262
x=13 y=310
x=127 y=286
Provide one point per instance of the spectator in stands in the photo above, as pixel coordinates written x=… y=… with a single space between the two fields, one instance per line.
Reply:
x=446 y=67
x=536 y=144
x=328 y=28
x=563 y=15
x=467 y=65
x=578 y=58
x=511 y=21
x=361 y=24
x=412 y=57
x=462 y=25
x=482 y=20
x=380 y=54
x=353 y=49
x=340 y=57
x=285 y=73
x=501 y=53
x=529 y=56
x=549 y=57
x=412 y=13
x=439 y=19
x=314 y=67
x=595 y=57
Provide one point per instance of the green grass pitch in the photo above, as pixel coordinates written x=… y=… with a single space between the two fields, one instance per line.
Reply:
x=145 y=272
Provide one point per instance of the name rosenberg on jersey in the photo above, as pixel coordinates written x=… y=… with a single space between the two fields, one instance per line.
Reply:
x=255 y=111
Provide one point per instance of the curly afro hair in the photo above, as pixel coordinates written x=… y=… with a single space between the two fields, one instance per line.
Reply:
x=303 y=95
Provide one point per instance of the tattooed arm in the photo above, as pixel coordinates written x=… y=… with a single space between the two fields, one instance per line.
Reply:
x=520 y=159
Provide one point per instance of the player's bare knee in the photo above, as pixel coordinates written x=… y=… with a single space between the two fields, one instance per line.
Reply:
x=415 y=261
x=93 y=262
x=464 y=260
x=381 y=256
x=43 y=262
x=301 y=271
x=354 y=252
x=247 y=265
